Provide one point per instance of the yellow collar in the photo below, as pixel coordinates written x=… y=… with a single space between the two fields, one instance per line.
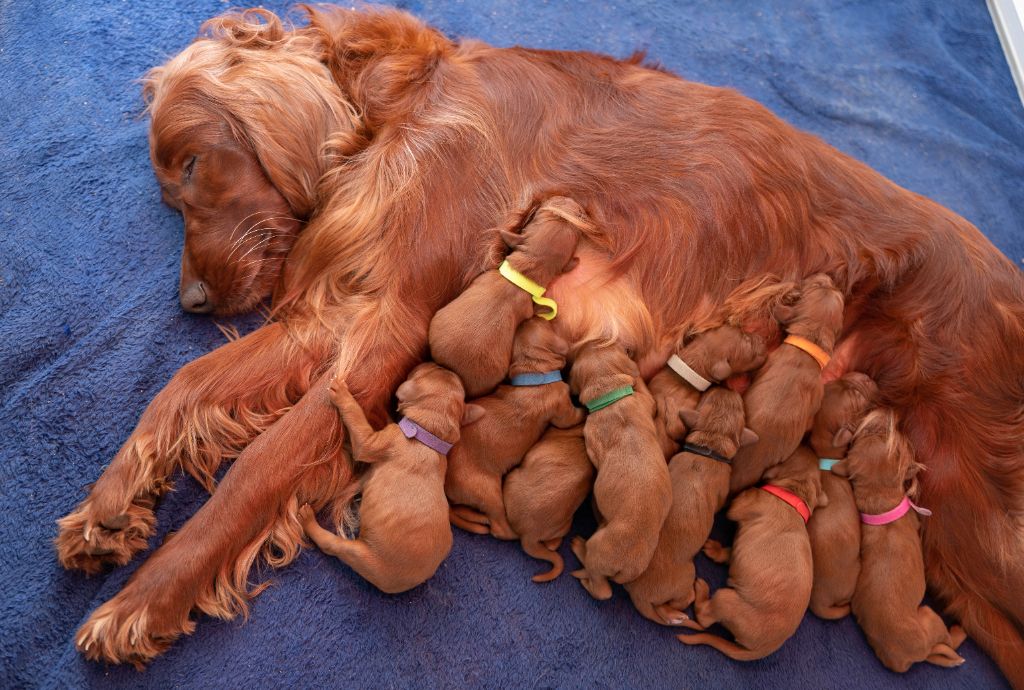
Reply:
x=536 y=291
x=820 y=356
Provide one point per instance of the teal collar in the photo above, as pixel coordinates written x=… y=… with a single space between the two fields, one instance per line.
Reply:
x=825 y=464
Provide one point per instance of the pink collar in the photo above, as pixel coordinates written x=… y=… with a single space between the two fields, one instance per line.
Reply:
x=895 y=514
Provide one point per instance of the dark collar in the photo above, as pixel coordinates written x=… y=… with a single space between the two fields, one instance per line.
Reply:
x=706 y=452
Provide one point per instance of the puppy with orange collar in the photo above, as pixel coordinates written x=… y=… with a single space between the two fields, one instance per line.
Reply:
x=786 y=392
x=770 y=566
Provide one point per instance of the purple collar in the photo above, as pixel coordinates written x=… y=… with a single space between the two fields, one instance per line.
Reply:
x=413 y=430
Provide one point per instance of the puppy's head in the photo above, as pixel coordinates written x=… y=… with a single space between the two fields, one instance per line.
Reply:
x=598 y=368
x=239 y=122
x=843 y=406
x=718 y=422
x=537 y=348
x=721 y=352
x=548 y=233
x=880 y=461
x=800 y=474
x=434 y=397
x=817 y=313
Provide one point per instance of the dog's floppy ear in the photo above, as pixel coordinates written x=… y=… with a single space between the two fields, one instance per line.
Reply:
x=571 y=264
x=407 y=391
x=721 y=370
x=511 y=238
x=471 y=414
x=841 y=469
x=842 y=437
x=749 y=437
x=689 y=418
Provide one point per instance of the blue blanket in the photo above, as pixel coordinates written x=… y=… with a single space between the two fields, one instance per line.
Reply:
x=90 y=330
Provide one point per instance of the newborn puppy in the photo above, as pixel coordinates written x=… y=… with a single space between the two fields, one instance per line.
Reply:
x=543 y=493
x=473 y=334
x=700 y=360
x=404 y=533
x=786 y=392
x=771 y=571
x=511 y=420
x=700 y=485
x=835 y=528
x=632 y=492
x=887 y=600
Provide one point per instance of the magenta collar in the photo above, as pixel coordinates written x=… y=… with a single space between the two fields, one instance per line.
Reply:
x=413 y=430
x=895 y=514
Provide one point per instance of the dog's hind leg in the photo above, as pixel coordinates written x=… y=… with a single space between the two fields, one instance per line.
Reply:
x=716 y=552
x=209 y=411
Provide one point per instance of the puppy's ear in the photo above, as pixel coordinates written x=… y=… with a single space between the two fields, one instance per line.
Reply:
x=407 y=391
x=841 y=469
x=784 y=313
x=721 y=370
x=471 y=414
x=689 y=418
x=510 y=238
x=749 y=437
x=842 y=437
x=822 y=499
x=571 y=264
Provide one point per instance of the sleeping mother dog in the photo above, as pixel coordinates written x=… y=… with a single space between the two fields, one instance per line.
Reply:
x=353 y=168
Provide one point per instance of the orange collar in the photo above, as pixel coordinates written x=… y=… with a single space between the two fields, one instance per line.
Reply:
x=820 y=356
x=790 y=498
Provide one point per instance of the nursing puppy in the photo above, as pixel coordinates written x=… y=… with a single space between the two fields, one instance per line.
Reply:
x=890 y=587
x=770 y=572
x=700 y=485
x=543 y=493
x=632 y=492
x=473 y=334
x=404 y=533
x=700 y=361
x=835 y=529
x=510 y=422
x=786 y=392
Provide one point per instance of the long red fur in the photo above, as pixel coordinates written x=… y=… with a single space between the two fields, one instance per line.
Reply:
x=445 y=142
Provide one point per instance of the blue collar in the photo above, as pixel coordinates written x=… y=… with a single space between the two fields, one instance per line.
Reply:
x=826 y=464
x=536 y=379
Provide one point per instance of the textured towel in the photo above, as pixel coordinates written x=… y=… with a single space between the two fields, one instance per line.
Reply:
x=90 y=330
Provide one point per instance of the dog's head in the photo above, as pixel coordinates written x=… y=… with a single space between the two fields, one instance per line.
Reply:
x=721 y=352
x=718 y=422
x=843 y=406
x=817 y=313
x=546 y=235
x=880 y=461
x=434 y=397
x=537 y=347
x=240 y=120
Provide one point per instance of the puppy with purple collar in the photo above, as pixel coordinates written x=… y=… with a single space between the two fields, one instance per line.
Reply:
x=404 y=533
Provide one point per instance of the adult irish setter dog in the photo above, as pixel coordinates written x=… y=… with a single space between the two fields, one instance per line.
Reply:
x=352 y=168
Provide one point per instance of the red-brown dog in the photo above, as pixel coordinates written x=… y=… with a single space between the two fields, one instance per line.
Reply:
x=786 y=392
x=510 y=422
x=543 y=493
x=473 y=334
x=770 y=573
x=701 y=360
x=700 y=485
x=890 y=587
x=632 y=492
x=404 y=533
x=835 y=529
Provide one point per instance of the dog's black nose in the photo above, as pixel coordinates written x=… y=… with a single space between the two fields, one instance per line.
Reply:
x=194 y=298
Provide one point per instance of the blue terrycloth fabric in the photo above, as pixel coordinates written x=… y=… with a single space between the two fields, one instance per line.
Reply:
x=91 y=329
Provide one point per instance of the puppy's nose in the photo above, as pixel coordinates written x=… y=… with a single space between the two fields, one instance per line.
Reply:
x=194 y=298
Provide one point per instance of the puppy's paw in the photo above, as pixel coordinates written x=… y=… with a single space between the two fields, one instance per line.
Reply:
x=89 y=539
x=339 y=391
x=579 y=548
x=307 y=517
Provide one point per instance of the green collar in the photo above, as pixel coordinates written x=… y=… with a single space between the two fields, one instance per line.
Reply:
x=608 y=398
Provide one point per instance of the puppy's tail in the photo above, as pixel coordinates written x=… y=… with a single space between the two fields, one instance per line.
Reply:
x=730 y=649
x=534 y=548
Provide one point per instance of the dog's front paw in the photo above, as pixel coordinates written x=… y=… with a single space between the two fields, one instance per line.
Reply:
x=307 y=517
x=90 y=539
x=131 y=630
